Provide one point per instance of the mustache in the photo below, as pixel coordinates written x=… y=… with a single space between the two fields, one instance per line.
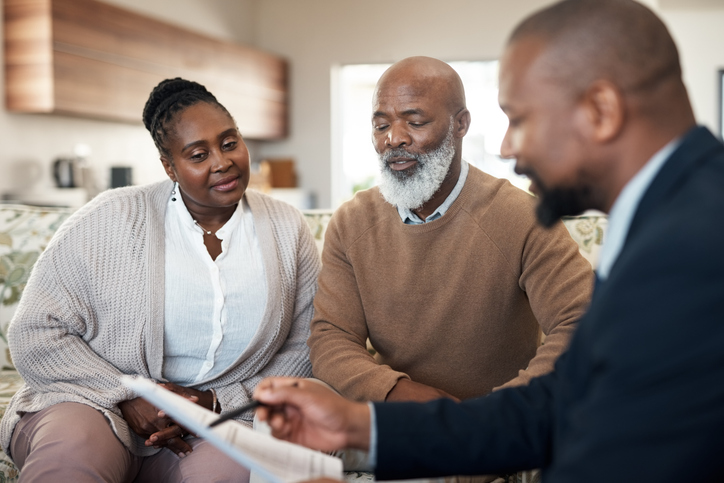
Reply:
x=398 y=153
x=532 y=175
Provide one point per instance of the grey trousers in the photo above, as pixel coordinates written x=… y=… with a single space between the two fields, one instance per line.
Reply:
x=73 y=442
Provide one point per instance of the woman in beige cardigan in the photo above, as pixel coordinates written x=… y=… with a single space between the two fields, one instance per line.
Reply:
x=193 y=282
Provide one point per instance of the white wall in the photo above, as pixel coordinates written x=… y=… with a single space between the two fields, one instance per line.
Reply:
x=700 y=36
x=225 y=19
x=31 y=142
x=696 y=26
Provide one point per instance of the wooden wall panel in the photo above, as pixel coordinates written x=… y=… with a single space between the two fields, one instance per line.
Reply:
x=87 y=58
x=104 y=90
x=28 y=56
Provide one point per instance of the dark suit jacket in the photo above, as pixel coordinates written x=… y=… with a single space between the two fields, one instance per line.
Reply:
x=639 y=396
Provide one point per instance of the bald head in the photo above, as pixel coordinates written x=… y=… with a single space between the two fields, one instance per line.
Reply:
x=593 y=90
x=428 y=77
x=419 y=120
x=618 y=40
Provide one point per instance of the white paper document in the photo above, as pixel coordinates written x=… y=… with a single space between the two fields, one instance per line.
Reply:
x=274 y=460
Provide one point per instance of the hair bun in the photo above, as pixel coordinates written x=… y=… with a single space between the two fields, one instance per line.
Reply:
x=164 y=94
x=169 y=98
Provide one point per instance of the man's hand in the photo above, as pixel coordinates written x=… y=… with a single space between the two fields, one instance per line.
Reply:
x=307 y=413
x=143 y=418
x=407 y=390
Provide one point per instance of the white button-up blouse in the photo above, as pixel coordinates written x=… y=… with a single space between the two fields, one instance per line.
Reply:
x=212 y=307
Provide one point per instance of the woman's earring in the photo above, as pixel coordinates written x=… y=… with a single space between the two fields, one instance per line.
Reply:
x=173 y=194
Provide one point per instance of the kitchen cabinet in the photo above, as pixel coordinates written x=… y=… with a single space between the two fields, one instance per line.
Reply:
x=90 y=59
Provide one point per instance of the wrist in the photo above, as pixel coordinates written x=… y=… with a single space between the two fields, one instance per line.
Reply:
x=358 y=426
x=400 y=386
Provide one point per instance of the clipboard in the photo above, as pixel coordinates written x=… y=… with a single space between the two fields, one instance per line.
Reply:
x=273 y=460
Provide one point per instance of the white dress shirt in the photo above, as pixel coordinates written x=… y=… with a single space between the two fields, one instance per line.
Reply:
x=213 y=308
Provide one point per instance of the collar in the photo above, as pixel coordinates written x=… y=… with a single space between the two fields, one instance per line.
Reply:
x=410 y=218
x=624 y=208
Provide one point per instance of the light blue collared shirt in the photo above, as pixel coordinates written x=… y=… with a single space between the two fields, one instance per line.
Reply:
x=410 y=218
x=372 y=458
x=625 y=206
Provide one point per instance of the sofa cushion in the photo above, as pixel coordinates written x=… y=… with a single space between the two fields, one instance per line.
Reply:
x=587 y=230
x=24 y=233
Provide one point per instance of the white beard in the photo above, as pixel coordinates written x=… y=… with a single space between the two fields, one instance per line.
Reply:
x=415 y=186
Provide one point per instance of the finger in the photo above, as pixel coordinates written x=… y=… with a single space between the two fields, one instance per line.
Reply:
x=174 y=388
x=278 y=389
x=262 y=413
x=280 y=426
x=170 y=386
x=157 y=445
x=271 y=383
x=180 y=447
x=179 y=452
x=162 y=423
x=186 y=432
x=165 y=434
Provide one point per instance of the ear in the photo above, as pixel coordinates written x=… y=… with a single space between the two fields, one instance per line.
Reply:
x=462 y=123
x=605 y=110
x=168 y=167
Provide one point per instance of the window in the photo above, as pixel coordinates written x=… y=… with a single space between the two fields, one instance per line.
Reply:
x=355 y=164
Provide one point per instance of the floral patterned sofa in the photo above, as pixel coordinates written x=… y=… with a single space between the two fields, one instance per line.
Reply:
x=24 y=233
x=26 y=230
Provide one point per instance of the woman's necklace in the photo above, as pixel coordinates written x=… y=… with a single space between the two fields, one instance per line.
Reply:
x=208 y=232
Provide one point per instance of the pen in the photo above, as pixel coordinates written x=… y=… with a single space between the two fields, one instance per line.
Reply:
x=253 y=404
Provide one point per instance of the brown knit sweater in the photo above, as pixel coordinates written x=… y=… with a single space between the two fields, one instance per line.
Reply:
x=457 y=303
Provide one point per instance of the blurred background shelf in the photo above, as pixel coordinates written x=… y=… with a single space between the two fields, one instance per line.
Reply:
x=90 y=59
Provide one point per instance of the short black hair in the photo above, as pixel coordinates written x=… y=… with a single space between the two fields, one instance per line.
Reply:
x=169 y=98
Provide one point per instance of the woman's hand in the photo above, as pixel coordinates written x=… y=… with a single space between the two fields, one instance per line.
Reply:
x=203 y=398
x=171 y=438
x=142 y=416
x=144 y=419
x=171 y=435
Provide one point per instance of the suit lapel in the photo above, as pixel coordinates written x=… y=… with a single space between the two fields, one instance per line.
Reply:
x=696 y=147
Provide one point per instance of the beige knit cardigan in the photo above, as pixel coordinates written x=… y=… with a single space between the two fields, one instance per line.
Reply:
x=93 y=308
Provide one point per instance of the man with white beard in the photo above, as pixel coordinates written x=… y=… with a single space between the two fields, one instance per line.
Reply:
x=442 y=266
x=410 y=188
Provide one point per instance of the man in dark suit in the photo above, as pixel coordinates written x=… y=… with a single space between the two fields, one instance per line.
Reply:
x=599 y=118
